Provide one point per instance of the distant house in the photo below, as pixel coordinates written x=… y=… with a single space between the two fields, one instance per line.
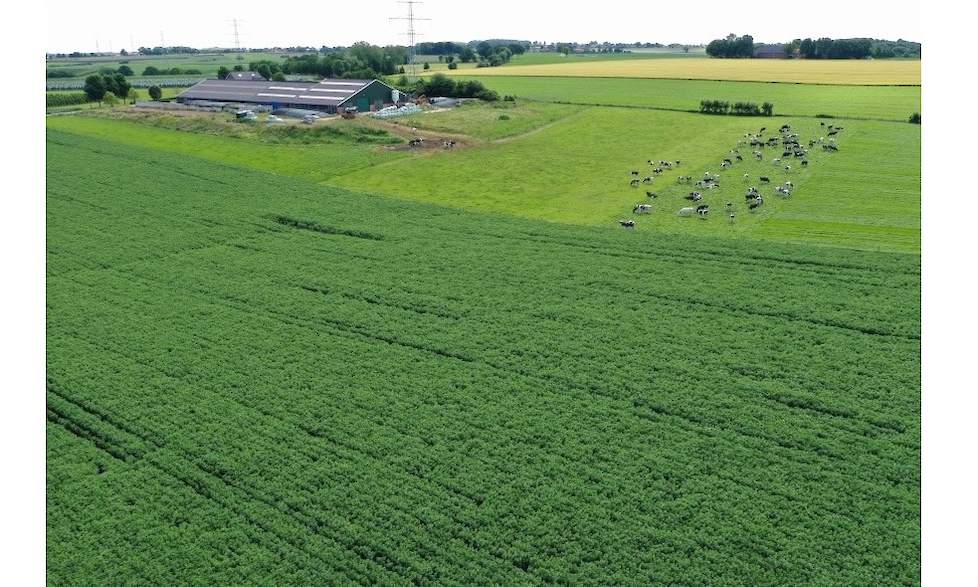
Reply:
x=776 y=51
x=246 y=76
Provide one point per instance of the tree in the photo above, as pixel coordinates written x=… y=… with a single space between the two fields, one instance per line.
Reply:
x=95 y=88
x=133 y=95
x=125 y=70
x=123 y=52
x=223 y=72
x=238 y=67
x=278 y=77
x=484 y=48
x=450 y=59
x=426 y=66
x=807 y=49
x=110 y=99
x=467 y=55
x=155 y=93
x=152 y=70
x=452 y=65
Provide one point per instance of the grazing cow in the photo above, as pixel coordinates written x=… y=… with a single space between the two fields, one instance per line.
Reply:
x=416 y=142
x=634 y=183
x=728 y=205
x=642 y=209
x=804 y=162
x=633 y=172
x=694 y=196
x=703 y=210
x=732 y=217
x=724 y=165
x=738 y=157
x=648 y=179
x=755 y=204
x=678 y=162
x=626 y=223
x=787 y=168
x=688 y=211
x=776 y=162
x=651 y=195
x=765 y=179
x=758 y=155
x=763 y=128
x=657 y=170
x=746 y=177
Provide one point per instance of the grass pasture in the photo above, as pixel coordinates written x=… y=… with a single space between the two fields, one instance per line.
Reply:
x=802 y=71
x=252 y=378
x=877 y=102
x=576 y=171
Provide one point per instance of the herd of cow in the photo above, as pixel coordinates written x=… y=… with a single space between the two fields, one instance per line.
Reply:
x=786 y=139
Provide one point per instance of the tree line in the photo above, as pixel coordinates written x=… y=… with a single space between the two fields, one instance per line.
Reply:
x=823 y=48
x=736 y=108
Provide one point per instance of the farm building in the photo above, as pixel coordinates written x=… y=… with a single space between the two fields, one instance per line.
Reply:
x=327 y=95
x=245 y=76
x=775 y=51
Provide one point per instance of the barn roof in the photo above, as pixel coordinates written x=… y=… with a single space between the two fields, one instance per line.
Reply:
x=328 y=92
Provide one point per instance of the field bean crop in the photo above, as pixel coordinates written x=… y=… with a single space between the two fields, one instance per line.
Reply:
x=255 y=379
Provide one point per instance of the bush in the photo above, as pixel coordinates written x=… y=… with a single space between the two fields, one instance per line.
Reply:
x=426 y=66
x=737 y=108
x=915 y=118
x=452 y=65
x=152 y=70
x=503 y=117
x=125 y=70
x=767 y=109
x=714 y=107
x=58 y=73
x=155 y=93
x=508 y=98
x=66 y=99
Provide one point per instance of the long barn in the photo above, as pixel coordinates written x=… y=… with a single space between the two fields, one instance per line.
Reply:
x=328 y=95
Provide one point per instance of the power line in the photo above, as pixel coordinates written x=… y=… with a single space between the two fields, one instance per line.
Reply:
x=411 y=33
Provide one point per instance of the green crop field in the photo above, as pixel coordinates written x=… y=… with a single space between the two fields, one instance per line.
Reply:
x=313 y=354
x=880 y=102
x=256 y=379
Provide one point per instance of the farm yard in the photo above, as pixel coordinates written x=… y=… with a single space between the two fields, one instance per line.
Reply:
x=320 y=354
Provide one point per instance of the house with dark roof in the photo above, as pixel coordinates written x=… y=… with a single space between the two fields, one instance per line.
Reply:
x=328 y=95
x=245 y=76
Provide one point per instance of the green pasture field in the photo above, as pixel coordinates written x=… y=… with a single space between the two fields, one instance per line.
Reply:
x=577 y=171
x=880 y=102
x=316 y=162
x=143 y=95
x=255 y=379
x=485 y=121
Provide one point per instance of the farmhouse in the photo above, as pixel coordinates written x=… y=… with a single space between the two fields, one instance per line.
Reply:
x=328 y=95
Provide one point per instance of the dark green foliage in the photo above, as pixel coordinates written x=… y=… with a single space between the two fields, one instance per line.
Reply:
x=361 y=60
x=155 y=93
x=915 y=118
x=243 y=388
x=95 y=88
x=125 y=70
x=59 y=73
x=223 y=71
x=452 y=65
x=826 y=48
x=737 y=108
x=65 y=99
x=731 y=47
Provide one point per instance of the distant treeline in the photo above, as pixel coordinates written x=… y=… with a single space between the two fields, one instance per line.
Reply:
x=731 y=47
x=825 y=48
x=442 y=85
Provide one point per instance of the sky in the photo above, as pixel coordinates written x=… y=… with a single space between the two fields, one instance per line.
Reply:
x=86 y=26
